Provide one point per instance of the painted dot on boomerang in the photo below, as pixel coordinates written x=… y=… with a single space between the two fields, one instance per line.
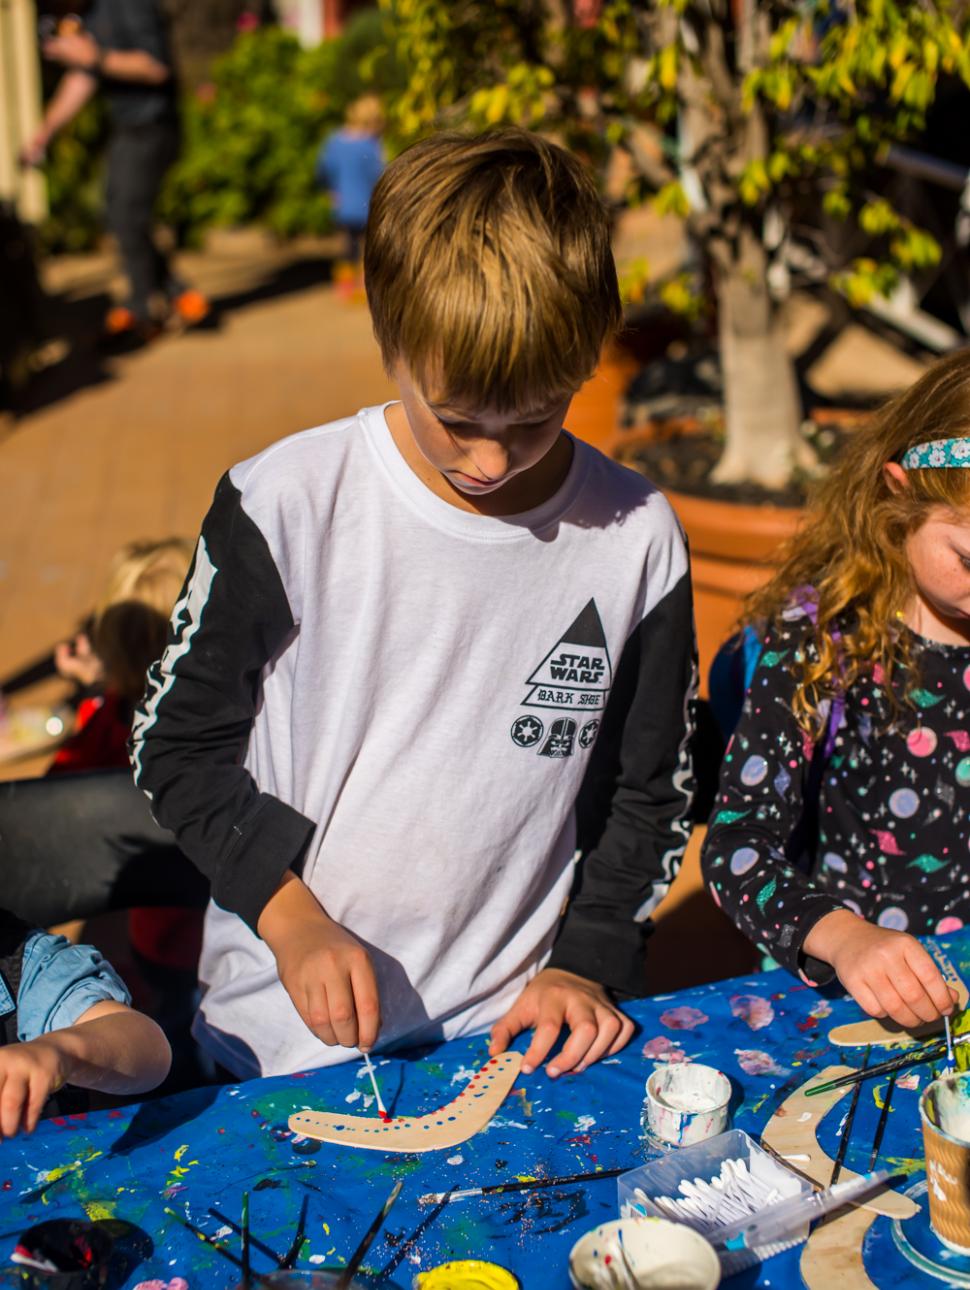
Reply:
x=921 y=742
x=832 y=861
x=963 y=772
x=753 y=771
x=904 y=803
x=742 y=860
x=966 y=677
x=894 y=918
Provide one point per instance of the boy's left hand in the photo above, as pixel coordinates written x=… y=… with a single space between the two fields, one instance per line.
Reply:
x=554 y=999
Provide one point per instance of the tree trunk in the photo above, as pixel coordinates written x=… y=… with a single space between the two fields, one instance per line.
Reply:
x=762 y=410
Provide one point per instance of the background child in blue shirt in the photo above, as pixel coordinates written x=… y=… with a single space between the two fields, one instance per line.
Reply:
x=65 y=1020
x=349 y=164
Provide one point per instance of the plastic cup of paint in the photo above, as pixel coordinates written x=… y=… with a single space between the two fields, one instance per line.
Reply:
x=686 y=1103
x=466 y=1274
x=944 y=1111
x=643 y=1254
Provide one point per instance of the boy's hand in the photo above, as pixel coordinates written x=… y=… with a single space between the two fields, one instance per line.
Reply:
x=324 y=968
x=554 y=999
x=889 y=974
x=29 y=1074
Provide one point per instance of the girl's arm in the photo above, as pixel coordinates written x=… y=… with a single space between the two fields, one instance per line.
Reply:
x=110 y=1048
x=746 y=864
x=757 y=812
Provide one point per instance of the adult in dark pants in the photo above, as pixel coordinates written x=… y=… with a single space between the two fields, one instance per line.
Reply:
x=122 y=49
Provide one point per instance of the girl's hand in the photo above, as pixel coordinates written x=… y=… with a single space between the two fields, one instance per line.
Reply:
x=554 y=999
x=889 y=974
x=29 y=1074
x=76 y=660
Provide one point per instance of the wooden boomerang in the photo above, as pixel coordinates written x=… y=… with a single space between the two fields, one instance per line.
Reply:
x=833 y=1253
x=857 y=1034
x=453 y=1124
x=791 y=1132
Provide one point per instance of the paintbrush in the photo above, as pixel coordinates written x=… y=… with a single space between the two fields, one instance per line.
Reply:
x=847 y=1127
x=357 y=1258
x=520 y=1184
x=212 y=1243
x=247 y=1279
x=381 y=1110
x=883 y=1119
x=912 y=1057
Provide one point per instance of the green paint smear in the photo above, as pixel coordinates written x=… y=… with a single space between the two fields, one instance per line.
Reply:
x=928 y=864
x=765 y=894
x=923 y=698
x=729 y=817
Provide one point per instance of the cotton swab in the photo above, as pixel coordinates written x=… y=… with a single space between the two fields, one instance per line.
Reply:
x=950 y=1063
x=381 y=1109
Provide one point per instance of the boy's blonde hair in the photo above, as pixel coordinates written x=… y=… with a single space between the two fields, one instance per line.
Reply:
x=489 y=270
x=131 y=620
x=851 y=548
x=366 y=113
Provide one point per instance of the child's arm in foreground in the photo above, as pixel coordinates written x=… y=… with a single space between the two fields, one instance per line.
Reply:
x=804 y=927
x=198 y=710
x=633 y=823
x=110 y=1048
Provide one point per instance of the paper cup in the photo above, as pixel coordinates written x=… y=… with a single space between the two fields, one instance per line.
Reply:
x=944 y=1111
x=645 y=1253
x=686 y=1103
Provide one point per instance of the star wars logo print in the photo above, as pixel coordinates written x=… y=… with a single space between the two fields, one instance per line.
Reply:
x=576 y=674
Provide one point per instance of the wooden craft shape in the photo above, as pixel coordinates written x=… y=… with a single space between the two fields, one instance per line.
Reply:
x=833 y=1253
x=455 y=1123
x=858 y=1034
x=791 y=1132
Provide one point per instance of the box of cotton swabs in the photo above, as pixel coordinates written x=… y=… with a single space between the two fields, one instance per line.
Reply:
x=710 y=1186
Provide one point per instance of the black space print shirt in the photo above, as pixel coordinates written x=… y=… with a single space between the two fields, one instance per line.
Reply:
x=892 y=841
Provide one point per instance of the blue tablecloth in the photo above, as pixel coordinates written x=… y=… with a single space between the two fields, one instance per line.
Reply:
x=197 y=1153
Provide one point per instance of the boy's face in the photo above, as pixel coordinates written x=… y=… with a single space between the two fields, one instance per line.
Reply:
x=479 y=452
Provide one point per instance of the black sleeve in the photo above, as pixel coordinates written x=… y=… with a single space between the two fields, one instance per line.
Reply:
x=190 y=731
x=633 y=811
x=747 y=855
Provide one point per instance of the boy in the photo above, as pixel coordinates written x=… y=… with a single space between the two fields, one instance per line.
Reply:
x=393 y=656
x=64 y=1019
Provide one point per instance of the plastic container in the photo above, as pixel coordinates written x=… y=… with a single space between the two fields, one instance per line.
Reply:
x=637 y=1189
x=646 y=1253
x=685 y=1103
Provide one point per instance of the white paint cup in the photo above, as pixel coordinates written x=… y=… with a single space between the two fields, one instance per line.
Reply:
x=686 y=1103
x=643 y=1254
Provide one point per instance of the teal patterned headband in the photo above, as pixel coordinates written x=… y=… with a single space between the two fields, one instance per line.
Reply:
x=941 y=453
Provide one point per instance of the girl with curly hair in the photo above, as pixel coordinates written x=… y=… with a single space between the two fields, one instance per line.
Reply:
x=841 y=829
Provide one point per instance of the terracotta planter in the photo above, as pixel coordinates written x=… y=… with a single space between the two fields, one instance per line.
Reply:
x=732 y=551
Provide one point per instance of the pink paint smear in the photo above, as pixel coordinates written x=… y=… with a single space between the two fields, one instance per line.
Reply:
x=683 y=1018
x=753 y=1009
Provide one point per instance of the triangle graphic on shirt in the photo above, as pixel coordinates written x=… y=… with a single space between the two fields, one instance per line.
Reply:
x=576 y=674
